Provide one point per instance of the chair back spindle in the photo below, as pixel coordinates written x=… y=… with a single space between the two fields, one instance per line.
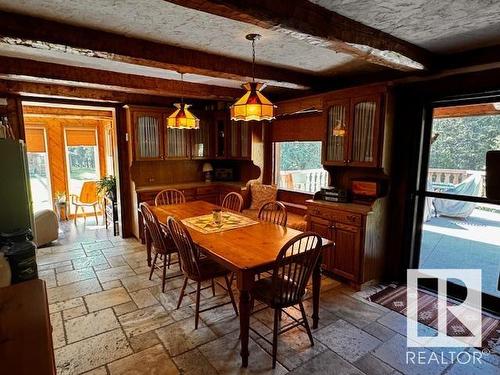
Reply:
x=160 y=240
x=293 y=268
x=233 y=201
x=273 y=212
x=169 y=196
x=188 y=252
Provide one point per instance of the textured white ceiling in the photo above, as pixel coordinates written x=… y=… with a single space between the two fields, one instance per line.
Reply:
x=160 y=21
x=438 y=25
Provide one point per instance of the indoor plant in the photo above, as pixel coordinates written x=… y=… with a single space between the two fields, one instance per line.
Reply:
x=107 y=186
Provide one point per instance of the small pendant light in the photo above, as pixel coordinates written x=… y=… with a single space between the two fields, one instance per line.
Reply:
x=252 y=105
x=182 y=118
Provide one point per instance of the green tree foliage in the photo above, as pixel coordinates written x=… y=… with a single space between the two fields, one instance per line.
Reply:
x=300 y=155
x=463 y=142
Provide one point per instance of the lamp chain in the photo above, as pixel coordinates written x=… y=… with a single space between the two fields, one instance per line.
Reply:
x=182 y=96
x=253 y=60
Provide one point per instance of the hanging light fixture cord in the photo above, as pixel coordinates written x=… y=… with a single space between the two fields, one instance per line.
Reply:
x=182 y=81
x=253 y=60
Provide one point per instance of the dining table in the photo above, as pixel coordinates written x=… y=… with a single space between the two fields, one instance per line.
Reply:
x=247 y=251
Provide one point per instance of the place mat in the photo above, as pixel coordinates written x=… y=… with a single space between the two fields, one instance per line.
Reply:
x=206 y=225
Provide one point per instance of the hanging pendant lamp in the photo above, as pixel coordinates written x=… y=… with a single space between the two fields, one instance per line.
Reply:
x=182 y=118
x=252 y=105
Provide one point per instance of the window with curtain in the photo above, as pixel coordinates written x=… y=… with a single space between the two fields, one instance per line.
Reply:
x=82 y=158
x=38 y=165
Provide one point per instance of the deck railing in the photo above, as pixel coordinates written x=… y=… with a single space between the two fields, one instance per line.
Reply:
x=454 y=176
x=307 y=180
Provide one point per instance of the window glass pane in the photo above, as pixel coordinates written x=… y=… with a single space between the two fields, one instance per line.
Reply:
x=82 y=166
x=458 y=149
x=298 y=166
x=39 y=180
x=457 y=242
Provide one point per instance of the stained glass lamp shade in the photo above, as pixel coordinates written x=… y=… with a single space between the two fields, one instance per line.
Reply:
x=252 y=105
x=182 y=118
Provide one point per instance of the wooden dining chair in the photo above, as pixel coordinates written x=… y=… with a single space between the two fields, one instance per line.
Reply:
x=162 y=243
x=233 y=201
x=169 y=196
x=88 y=198
x=287 y=285
x=196 y=268
x=273 y=212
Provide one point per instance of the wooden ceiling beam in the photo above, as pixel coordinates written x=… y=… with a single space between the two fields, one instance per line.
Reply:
x=34 y=71
x=321 y=27
x=54 y=91
x=43 y=34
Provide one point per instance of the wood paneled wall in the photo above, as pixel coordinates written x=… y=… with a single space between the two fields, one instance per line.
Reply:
x=311 y=127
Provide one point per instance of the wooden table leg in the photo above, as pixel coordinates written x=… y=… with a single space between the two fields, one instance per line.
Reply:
x=244 y=286
x=316 y=286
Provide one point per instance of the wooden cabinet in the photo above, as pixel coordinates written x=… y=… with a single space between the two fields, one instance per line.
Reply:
x=177 y=144
x=347 y=239
x=358 y=234
x=354 y=131
x=337 y=138
x=202 y=142
x=26 y=332
x=147 y=135
x=217 y=137
x=239 y=143
x=323 y=228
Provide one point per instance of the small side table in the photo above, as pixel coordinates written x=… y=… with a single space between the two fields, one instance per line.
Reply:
x=111 y=215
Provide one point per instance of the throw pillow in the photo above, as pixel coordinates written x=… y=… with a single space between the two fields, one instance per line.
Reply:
x=262 y=194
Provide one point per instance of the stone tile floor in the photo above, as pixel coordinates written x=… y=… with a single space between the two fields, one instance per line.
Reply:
x=108 y=318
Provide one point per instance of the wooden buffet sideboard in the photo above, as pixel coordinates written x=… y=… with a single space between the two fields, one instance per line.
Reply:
x=358 y=232
x=25 y=330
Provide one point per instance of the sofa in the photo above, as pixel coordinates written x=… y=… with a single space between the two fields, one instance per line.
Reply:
x=294 y=220
x=46 y=227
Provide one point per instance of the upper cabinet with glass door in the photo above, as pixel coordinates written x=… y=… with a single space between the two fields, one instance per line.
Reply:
x=240 y=140
x=353 y=130
x=337 y=113
x=365 y=126
x=147 y=135
x=201 y=140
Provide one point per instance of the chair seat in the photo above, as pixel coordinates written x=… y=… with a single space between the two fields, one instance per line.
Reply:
x=85 y=204
x=210 y=269
x=263 y=291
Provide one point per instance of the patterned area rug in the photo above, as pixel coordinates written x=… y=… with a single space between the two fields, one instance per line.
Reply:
x=394 y=297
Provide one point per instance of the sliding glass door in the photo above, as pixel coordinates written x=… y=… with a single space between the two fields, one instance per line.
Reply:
x=460 y=226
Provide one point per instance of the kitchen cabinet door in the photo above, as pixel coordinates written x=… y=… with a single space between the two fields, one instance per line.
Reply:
x=336 y=149
x=365 y=128
x=346 y=255
x=147 y=135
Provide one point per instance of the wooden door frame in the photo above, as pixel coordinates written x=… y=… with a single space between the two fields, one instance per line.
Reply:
x=419 y=193
x=121 y=153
